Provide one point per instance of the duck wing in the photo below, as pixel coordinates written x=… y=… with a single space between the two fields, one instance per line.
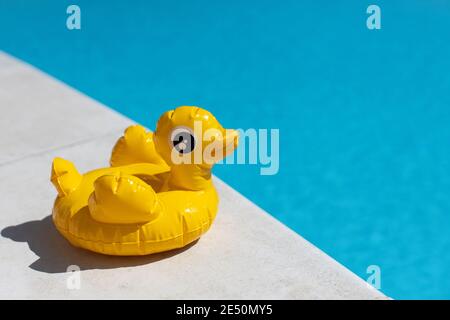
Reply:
x=123 y=199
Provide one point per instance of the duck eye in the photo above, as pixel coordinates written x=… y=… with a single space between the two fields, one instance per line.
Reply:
x=182 y=140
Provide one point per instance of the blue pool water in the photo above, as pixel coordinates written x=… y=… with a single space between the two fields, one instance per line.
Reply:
x=364 y=116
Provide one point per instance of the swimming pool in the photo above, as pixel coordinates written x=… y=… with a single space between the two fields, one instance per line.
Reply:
x=364 y=115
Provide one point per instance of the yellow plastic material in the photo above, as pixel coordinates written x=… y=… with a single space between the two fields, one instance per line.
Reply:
x=145 y=202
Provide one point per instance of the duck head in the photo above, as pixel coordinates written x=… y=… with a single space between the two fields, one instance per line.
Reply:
x=191 y=141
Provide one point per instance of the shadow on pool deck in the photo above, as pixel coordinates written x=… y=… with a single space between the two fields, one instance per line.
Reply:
x=56 y=253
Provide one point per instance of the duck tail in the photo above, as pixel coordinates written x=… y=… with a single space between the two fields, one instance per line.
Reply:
x=64 y=176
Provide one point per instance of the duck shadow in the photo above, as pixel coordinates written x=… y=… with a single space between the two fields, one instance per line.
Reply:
x=56 y=254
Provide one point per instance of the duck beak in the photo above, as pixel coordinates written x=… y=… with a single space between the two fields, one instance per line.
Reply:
x=231 y=141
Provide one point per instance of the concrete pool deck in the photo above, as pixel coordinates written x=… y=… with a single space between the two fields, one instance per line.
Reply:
x=247 y=254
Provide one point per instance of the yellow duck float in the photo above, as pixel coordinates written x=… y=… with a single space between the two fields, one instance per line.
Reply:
x=147 y=201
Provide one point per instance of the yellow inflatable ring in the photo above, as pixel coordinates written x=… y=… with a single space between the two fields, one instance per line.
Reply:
x=157 y=195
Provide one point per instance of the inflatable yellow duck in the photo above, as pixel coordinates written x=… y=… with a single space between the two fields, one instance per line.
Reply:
x=156 y=196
